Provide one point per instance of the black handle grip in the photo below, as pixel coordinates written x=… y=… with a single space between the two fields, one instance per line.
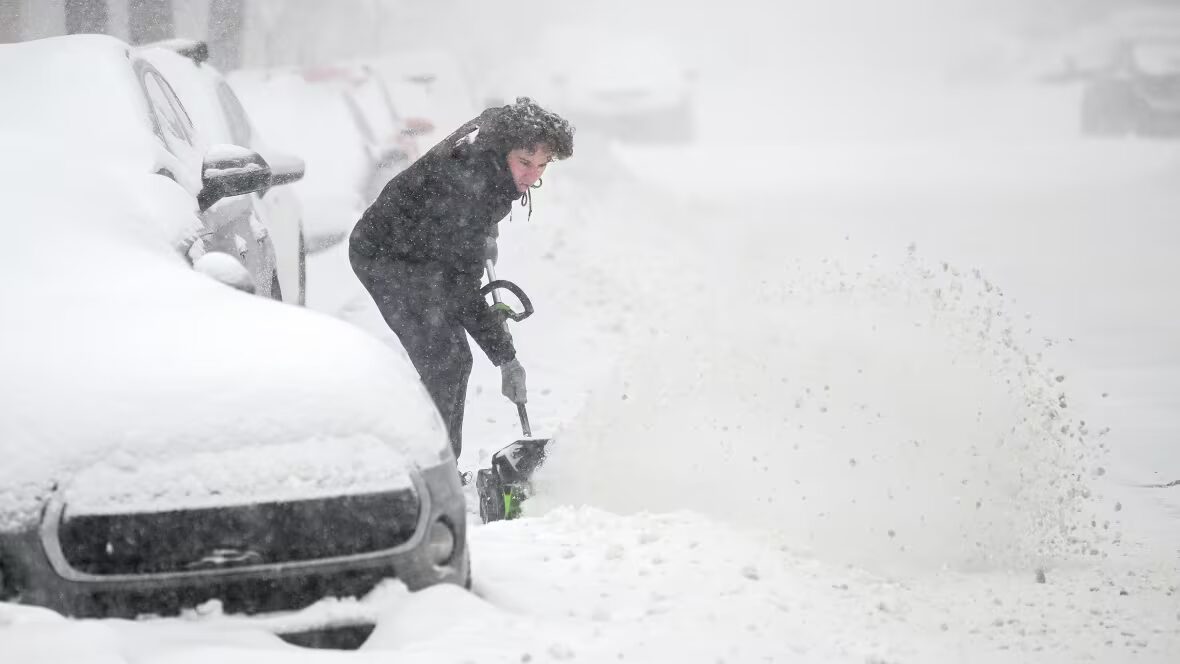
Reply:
x=524 y=420
x=515 y=290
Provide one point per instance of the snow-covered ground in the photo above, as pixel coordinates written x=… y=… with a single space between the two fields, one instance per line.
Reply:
x=846 y=392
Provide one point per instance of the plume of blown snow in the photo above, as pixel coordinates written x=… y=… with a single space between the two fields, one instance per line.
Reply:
x=889 y=415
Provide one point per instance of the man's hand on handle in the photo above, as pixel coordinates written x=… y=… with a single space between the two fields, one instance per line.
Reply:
x=512 y=381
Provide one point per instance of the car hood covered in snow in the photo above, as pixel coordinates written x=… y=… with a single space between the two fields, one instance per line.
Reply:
x=121 y=361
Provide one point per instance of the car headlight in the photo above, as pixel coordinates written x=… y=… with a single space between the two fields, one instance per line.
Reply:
x=440 y=542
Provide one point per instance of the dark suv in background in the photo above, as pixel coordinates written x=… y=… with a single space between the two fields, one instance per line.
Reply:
x=1137 y=91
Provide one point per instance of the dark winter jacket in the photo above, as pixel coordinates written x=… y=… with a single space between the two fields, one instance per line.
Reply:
x=435 y=218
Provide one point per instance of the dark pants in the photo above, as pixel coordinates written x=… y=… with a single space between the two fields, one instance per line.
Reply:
x=414 y=302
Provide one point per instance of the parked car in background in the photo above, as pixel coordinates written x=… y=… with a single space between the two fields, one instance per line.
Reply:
x=341 y=119
x=1136 y=91
x=170 y=443
x=431 y=88
x=318 y=124
x=218 y=114
x=128 y=108
x=391 y=137
x=638 y=87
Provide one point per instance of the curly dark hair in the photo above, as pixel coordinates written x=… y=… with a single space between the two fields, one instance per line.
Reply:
x=524 y=124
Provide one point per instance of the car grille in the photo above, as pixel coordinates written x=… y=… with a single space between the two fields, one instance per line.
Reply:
x=240 y=596
x=222 y=537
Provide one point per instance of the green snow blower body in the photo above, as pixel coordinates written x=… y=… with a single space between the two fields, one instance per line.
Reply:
x=508 y=483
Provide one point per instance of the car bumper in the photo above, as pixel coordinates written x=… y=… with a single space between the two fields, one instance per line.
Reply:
x=36 y=571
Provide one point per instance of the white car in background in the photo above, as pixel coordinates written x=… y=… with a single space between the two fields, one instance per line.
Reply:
x=339 y=119
x=168 y=442
x=431 y=86
x=391 y=137
x=218 y=114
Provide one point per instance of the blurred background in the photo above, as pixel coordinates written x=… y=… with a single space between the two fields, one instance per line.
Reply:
x=827 y=63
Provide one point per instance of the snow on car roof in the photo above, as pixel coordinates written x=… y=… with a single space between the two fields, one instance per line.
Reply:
x=77 y=89
x=115 y=352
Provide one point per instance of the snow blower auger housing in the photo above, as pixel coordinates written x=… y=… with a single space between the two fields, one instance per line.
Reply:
x=504 y=486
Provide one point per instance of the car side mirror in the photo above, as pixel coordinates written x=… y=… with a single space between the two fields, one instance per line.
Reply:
x=226 y=269
x=286 y=168
x=231 y=170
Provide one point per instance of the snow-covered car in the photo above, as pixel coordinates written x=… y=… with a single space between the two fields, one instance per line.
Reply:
x=169 y=443
x=430 y=87
x=218 y=115
x=1136 y=92
x=390 y=136
x=339 y=119
x=129 y=107
x=637 y=87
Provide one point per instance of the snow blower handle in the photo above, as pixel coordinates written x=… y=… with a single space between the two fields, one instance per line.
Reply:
x=524 y=420
x=505 y=311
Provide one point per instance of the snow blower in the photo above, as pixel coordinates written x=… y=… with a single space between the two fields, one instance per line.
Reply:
x=504 y=486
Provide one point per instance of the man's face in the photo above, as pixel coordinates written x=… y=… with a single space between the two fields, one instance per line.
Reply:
x=528 y=165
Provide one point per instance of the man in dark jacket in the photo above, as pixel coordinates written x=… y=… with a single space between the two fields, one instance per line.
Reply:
x=420 y=247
